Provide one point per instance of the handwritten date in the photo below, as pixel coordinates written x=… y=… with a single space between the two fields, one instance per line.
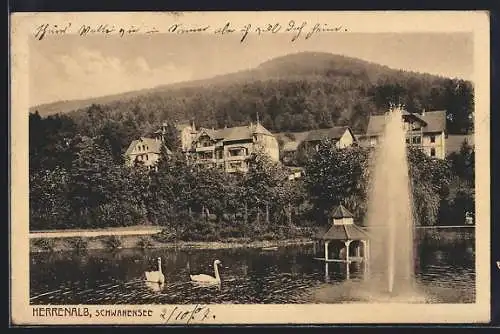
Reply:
x=182 y=315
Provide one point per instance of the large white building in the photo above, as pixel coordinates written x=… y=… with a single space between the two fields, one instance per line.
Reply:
x=426 y=130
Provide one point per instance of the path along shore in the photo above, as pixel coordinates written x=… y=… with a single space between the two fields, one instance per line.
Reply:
x=64 y=240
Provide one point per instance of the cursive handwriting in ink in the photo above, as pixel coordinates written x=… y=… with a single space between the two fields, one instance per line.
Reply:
x=225 y=30
x=296 y=29
x=178 y=28
x=273 y=28
x=181 y=315
x=246 y=28
x=99 y=29
x=319 y=28
x=268 y=28
x=131 y=30
x=51 y=29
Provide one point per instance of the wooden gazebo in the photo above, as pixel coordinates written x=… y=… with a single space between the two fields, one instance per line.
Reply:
x=352 y=242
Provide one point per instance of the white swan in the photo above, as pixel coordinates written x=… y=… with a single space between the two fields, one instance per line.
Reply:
x=156 y=276
x=207 y=279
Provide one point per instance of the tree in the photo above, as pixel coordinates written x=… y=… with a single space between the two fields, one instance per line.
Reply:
x=337 y=176
x=430 y=179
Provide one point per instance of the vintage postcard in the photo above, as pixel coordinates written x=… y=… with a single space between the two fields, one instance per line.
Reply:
x=250 y=168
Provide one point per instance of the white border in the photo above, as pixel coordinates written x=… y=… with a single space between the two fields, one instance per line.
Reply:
x=22 y=25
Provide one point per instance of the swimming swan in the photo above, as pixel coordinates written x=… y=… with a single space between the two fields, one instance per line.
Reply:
x=207 y=279
x=156 y=276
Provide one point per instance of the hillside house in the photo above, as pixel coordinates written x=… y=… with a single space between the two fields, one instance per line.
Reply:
x=230 y=148
x=426 y=131
x=342 y=136
x=145 y=151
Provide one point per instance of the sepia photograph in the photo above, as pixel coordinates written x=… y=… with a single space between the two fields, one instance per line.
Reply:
x=207 y=161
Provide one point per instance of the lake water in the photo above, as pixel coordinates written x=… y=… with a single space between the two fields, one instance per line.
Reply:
x=445 y=273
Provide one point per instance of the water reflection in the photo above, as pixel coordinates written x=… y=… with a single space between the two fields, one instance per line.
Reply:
x=288 y=275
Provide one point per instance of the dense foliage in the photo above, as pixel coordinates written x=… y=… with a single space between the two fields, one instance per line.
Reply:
x=78 y=177
x=79 y=182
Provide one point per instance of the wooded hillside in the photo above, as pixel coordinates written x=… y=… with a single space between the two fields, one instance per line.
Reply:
x=296 y=92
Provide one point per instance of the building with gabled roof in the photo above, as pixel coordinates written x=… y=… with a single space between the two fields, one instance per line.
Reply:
x=341 y=135
x=426 y=131
x=145 y=151
x=231 y=147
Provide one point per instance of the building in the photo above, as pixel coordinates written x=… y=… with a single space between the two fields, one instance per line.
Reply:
x=230 y=148
x=342 y=136
x=187 y=133
x=426 y=131
x=145 y=151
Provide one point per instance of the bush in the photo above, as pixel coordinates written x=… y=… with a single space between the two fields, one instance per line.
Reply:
x=47 y=245
x=200 y=230
x=144 y=242
x=112 y=242
x=78 y=244
x=164 y=236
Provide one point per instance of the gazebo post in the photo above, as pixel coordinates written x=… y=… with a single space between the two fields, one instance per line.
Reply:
x=326 y=249
x=347 y=243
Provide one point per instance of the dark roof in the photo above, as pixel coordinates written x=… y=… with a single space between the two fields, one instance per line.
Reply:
x=332 y=133
x=236 y=133
x=345 y=232
x=435 y=122
x=341 y=212
x=154 y=146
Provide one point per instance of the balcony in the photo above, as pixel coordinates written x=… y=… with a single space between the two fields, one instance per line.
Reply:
x=205 y=148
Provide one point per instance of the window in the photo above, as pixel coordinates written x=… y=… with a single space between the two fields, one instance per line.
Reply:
x=147 y=156
x=407 y=140
x=433 y=152
x=433 y=139
x=417 y=140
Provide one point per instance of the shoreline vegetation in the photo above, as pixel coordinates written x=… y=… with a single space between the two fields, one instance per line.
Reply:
x=50 y=244
x=79 y=175
x=113 y=239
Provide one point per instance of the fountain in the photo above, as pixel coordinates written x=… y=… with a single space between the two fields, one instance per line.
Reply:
x=390 y=213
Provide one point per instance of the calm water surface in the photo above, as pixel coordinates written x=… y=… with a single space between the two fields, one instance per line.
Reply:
x=444 y=274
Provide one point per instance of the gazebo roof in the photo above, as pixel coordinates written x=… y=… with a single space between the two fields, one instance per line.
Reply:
x=345 y=232
x=341 y=212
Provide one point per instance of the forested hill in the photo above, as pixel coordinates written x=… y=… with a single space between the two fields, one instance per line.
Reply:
x=291 y=93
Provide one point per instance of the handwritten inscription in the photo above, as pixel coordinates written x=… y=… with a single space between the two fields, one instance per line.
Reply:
x=296 y=29
x=186 y=315
x=50 y=29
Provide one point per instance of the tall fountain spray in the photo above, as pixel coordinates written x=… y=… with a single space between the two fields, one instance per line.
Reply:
x=390 y=212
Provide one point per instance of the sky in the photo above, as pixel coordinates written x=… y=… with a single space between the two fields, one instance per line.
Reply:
x=70 y=67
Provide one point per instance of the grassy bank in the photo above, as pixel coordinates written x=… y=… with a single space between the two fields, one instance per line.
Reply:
x=149 y=242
